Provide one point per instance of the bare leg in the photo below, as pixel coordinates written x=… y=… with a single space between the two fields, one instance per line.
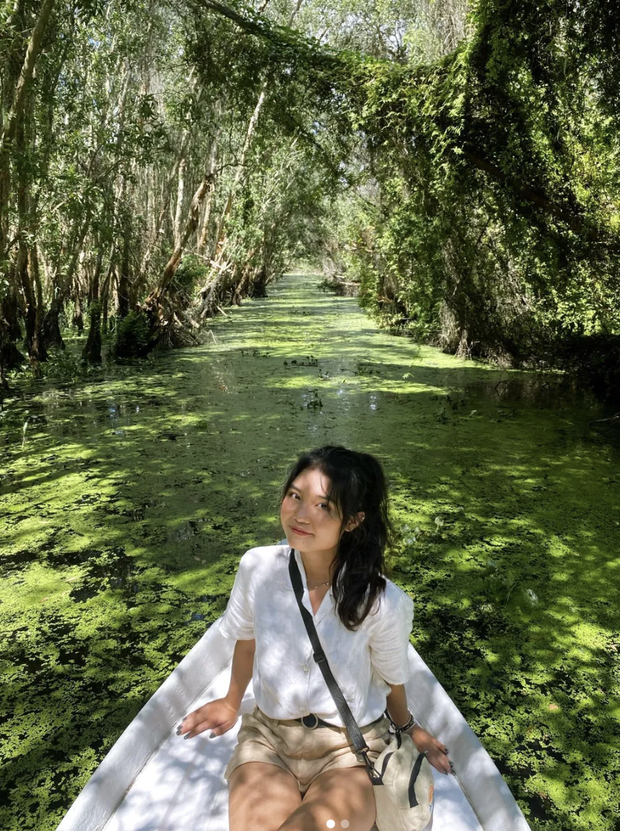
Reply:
x=341 y=794
x=260 y=797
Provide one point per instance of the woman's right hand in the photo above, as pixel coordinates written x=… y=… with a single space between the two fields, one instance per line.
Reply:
x=219 y=716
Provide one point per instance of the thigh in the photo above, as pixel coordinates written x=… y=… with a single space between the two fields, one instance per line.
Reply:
x=343 y=795
x=260 y=797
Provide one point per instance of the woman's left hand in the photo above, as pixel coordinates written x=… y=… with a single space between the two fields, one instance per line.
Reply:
x=436 y=751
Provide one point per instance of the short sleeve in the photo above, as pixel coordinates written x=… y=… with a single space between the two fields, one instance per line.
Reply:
x=389 y=637
x=237 y=622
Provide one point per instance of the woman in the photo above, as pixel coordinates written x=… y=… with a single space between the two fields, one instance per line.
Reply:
x=293 y=768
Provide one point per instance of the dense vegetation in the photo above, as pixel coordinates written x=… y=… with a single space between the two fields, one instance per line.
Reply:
x=119 y=155
x=494 y=230
x=160 y=160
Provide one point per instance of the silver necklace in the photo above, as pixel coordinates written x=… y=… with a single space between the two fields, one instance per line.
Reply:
x=318 y=585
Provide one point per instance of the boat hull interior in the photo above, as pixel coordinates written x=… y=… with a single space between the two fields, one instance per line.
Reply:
x=154 y=780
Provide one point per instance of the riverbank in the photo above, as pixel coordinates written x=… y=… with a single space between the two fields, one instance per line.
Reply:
x=127 y=501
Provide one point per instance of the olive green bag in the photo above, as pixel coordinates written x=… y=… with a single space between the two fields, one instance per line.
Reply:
x=402 y=777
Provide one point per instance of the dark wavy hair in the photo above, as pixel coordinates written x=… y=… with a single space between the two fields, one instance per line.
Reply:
x=357 y=483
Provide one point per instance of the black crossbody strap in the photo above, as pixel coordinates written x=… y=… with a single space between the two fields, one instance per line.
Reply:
x=355 y=734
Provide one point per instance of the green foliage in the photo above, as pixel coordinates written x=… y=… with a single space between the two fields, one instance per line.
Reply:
x=474 y=149
x=132 y=337
x=494 y=221
x=191 y=272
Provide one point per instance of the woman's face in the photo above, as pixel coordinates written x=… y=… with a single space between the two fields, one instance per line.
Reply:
x=310 y=521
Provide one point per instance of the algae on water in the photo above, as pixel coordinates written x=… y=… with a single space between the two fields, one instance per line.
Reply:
x=127 y=502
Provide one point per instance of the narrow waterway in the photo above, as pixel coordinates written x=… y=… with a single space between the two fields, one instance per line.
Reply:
x=126 y=502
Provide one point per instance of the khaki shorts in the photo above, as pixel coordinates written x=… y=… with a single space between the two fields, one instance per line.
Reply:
x=299 y=750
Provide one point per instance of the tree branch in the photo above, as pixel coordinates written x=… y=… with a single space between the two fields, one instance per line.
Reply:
x=32 y=53
x=255 y=28
x=575 y=223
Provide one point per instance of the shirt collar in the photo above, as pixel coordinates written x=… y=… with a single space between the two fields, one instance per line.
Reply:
x=325 y=607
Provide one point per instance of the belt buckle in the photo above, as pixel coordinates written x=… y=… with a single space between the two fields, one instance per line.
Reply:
x=310 y=725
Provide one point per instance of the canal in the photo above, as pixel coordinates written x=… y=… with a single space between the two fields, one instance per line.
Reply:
x=127 y=498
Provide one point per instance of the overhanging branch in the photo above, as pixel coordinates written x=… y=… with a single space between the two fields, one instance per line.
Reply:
x=260 y=26
x=575 y=223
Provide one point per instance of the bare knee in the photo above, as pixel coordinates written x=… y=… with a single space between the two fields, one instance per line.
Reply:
x=342 y=795
x=260 y=797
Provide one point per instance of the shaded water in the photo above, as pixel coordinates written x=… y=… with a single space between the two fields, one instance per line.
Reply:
x=126 y=503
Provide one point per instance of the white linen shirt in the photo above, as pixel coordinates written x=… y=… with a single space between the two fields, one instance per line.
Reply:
x=287 y=681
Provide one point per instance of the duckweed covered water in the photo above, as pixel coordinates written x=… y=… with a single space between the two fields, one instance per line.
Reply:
x=126 y=503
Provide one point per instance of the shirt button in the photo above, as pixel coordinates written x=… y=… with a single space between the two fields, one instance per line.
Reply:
x=305 y=668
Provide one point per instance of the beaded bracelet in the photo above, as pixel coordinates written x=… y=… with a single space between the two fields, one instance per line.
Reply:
x=410 y=722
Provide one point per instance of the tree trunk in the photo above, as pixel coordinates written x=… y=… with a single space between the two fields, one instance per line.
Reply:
x=14 y=116
x=122 y=309
x=183 y=145
x=21 y=89
x=93 y=288
x=38 y=341
x=210 y=290
x=10 y=332
x=220 y=240
x=204 y=233
x=105 y=292
x=242 y=285
x=92 y=348
x=51 y=324
x=179 y=207
x=78 y=316
x=24 y=261
x=220 y=284
x=259 y=282
x=51 y=327
x=173 y=263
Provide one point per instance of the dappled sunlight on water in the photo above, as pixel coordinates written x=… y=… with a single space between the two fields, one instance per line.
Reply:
x=126 y=503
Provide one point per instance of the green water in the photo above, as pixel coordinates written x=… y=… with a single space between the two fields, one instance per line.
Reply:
x=127 y=501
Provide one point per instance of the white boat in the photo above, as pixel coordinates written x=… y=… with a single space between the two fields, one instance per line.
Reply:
x=154 y=780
